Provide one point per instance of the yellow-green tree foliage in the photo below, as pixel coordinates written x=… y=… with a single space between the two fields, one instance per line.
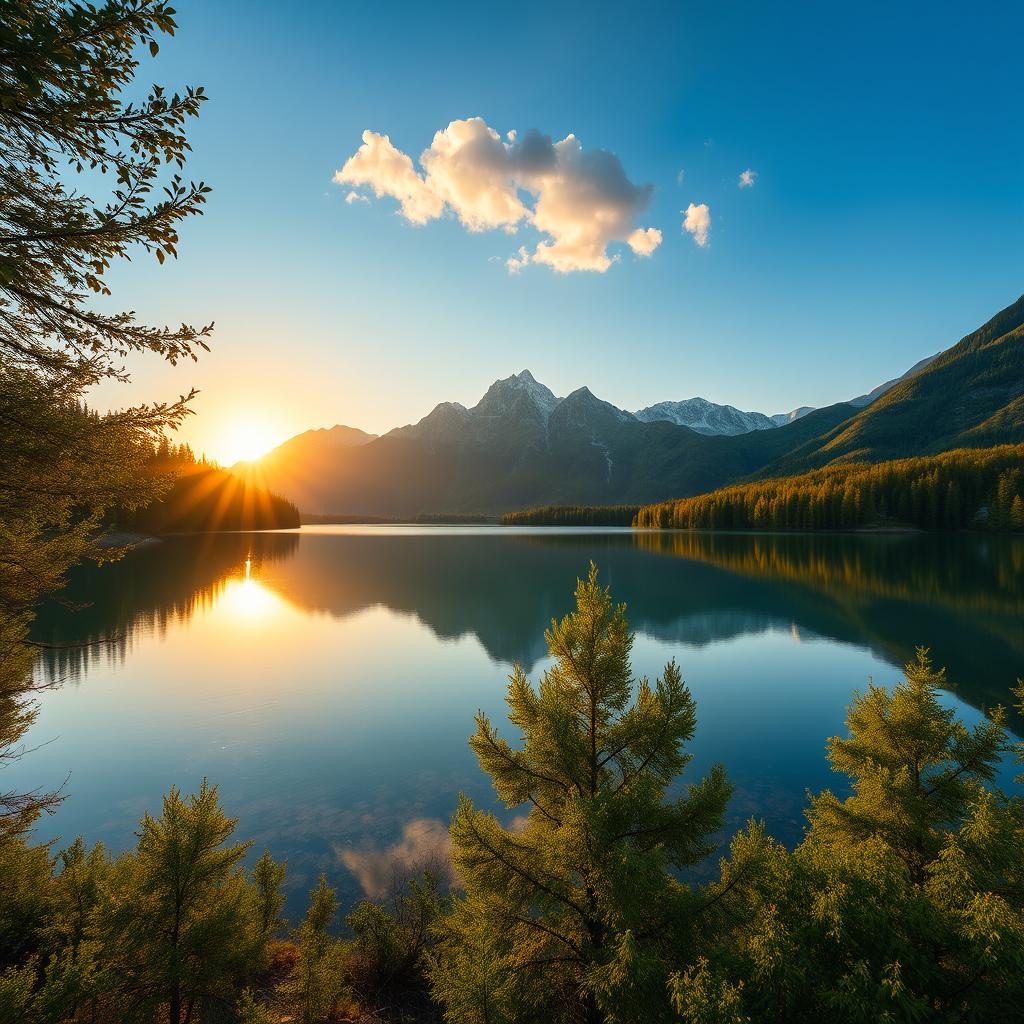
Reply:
x=964 y=488
x=574 y=913
x=904 y=901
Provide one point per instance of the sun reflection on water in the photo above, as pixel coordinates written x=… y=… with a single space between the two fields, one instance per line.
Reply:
x=246 y=599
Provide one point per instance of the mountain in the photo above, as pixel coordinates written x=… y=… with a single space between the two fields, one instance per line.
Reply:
x=969 y=396
x=874 y=393
x=297 y=466
x=780 y=419
x=522 y=445
x=706 y=417
x=709 y=418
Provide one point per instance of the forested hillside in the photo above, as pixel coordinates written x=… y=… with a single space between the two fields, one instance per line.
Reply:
x=971 y=396
x=202 y=496
x=958 y=489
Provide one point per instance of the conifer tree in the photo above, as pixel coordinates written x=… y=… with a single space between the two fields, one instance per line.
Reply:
x=575 y=916
x=318 y=981
x=73 y=120
x=916 y=770
x=268 y=879
x=903 y=902
x=179 y=925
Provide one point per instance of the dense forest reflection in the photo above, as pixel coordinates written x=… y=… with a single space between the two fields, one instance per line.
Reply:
x=962 y=595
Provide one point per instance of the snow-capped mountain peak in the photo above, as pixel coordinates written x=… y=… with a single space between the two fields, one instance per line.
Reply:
x=502 y=396
x=705 y=417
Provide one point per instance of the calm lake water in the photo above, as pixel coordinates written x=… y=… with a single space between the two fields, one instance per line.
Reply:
x=326 y=679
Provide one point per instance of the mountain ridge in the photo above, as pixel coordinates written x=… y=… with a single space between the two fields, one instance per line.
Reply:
x=521 y=445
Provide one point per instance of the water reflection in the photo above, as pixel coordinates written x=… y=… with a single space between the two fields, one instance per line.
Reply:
x=327 y=679
x=423 y=846
x=961 y=595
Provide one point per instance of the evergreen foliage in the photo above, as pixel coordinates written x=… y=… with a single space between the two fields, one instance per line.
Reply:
x=573 y=515
x=958 y=489
x=576 y=915
x=66 y=128
x=171 y=931
x=904 y=901
x=317 y=982
x=199 y=496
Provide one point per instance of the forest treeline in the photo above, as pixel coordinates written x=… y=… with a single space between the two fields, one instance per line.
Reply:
x=573 y=515
x=200 y=496
x=966 y=488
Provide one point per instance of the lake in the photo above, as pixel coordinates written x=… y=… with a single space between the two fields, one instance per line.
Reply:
x=326 y=678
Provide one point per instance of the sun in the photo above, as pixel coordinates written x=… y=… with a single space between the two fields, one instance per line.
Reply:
x=245 y=440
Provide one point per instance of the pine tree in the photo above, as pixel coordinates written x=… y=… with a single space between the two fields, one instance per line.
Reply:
x=268 y=879
x=915 y=769
x=317 y=981
x=1017 y=513
x=575 y=915
x=180 y=926
x=924 y=816
x=88 y=176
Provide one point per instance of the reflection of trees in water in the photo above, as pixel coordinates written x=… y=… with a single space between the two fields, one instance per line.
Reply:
x=149 y=590
x=961 y=595
x=979 y=573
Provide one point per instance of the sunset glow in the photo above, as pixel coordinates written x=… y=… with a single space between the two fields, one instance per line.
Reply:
x=245 y=440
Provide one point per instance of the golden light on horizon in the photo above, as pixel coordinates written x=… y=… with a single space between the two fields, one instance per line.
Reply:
x=245 y=440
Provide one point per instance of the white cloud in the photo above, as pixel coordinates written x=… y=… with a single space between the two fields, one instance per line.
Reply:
x=644 y=241
x=579 y=199
x=747 y=178
x=389 y=172
x=680 y=176
x=518 y=261
x=356 y=197
x=698 y=222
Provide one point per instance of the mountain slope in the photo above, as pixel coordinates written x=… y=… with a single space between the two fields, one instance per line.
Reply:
x=520 y=445
x=970 y=396
x=297 y=466
x=882 y=389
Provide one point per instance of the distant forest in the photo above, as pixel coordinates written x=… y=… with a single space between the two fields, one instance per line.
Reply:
x=202 y=497
x=573 y=515
x=966 y=488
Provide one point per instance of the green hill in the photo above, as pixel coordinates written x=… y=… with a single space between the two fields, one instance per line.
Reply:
x=971 y=396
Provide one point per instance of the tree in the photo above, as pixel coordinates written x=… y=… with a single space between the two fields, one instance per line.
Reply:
x=317 y=981
x=268 y=879
x=903 y=903
x=574 y=914
x=386 y=956
x=916 y=770
x=64 y=71
x=180 y=925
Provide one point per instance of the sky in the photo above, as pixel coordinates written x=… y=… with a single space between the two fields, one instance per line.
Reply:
x=767 y=205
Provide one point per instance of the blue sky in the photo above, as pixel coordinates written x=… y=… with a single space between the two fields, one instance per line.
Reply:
x=885 y=220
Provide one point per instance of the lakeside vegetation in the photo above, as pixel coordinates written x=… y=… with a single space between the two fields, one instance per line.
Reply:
x=966 y=488
x=904 y=901
x=199 y=496
x=573 y=515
